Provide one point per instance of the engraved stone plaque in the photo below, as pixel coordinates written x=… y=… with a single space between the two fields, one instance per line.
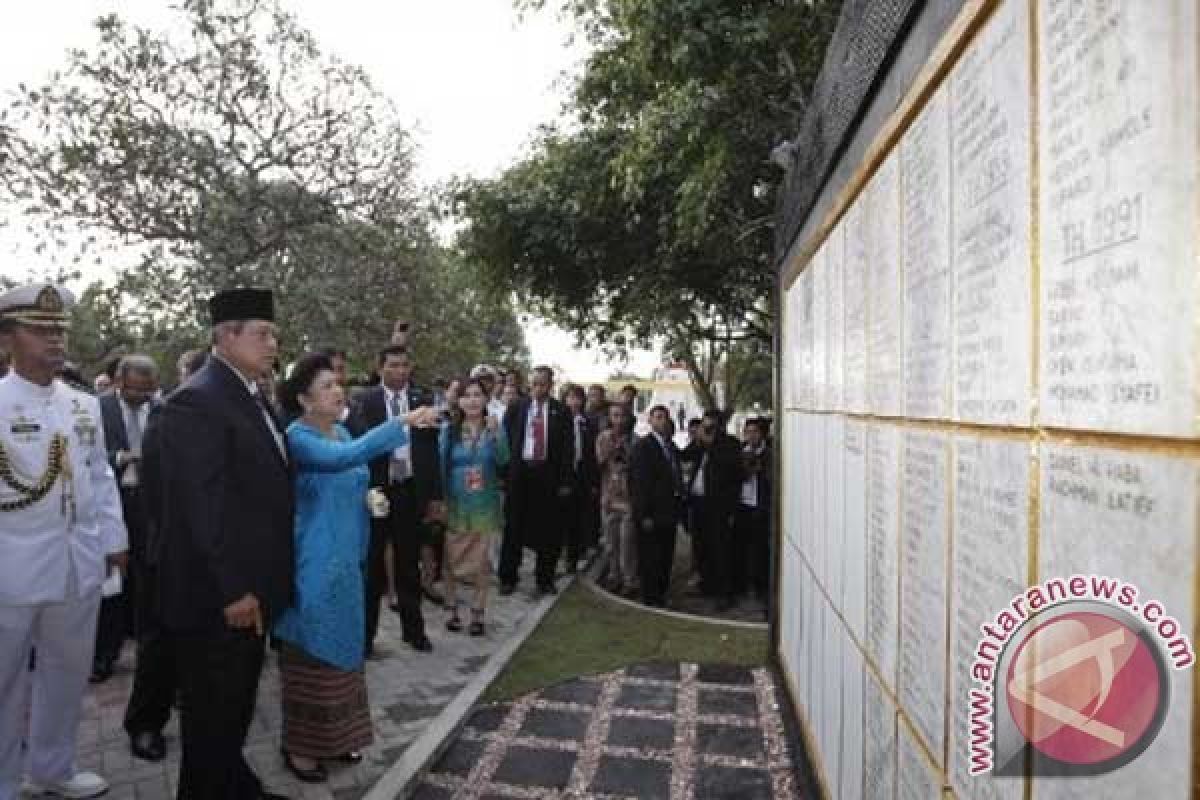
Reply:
x=1117 y=151
x=925 y=178
x=834 y=546
x=854 y=527
x=879 y=741
x=801 y=323
x=854 y=294
x=835 y=318
x=1131 y=517
x=883 y=549
x=885 y=304
x=915 y=778
x=850 y=781
x=820 y=346
x=990 y=568
x=923 y=592
x=993 y=316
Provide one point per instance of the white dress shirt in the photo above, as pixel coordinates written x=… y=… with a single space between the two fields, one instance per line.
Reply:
x=135 y=427
x=750 y=485
x=527 y=450
x=401 y=466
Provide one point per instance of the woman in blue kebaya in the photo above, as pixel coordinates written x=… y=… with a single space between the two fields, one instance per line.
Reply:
x=325 y=713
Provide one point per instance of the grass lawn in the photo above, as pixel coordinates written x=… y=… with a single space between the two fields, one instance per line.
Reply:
x=586 y=633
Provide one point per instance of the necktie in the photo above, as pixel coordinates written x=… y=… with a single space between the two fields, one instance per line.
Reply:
x=400 y=468
x=539 y=434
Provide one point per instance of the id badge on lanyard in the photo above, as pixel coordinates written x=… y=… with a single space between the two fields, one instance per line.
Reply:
x=474 y=479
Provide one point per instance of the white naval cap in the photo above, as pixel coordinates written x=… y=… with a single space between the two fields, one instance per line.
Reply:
x=481 y=370
x=43 y=304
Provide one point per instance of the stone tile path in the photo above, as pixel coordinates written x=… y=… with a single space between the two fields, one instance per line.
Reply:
x=406 y=689
x=650 y=732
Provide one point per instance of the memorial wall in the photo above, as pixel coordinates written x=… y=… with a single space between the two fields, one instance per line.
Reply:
x=988 y=381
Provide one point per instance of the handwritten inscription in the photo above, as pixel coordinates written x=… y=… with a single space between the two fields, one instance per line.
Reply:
x=1117 y=198
x=990 y=567
x=993 y=318
x=925 y=167
x=854 y=344
x=923 y=595
x=885 y=331
x=1133 y=516
x=883 y=548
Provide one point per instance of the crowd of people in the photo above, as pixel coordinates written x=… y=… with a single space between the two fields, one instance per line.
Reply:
x=244 y=508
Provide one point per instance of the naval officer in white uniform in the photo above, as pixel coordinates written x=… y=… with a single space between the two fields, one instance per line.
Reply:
x=61 y=532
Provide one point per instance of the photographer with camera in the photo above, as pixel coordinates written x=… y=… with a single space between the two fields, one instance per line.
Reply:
x=614 y=448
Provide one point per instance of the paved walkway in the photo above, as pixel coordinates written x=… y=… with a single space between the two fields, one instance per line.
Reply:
x=648 y=732
x=406 y=689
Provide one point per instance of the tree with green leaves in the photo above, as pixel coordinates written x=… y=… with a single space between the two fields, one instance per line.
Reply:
x=648 y=213
x=236 y=155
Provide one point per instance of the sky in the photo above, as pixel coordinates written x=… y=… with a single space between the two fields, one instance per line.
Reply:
x=472 y=78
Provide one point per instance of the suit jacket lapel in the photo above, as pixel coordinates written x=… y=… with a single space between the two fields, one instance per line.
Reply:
x=235 y=389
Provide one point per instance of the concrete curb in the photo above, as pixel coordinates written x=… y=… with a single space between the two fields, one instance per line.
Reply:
x=399 y=781
x=590 y=582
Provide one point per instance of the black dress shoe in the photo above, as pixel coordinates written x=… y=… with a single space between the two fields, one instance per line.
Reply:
x=148 y=746
x=507 y=588
x=315 y=775
x=273 y=796
x=421 y=644
x=353 y=757
x=547 y=588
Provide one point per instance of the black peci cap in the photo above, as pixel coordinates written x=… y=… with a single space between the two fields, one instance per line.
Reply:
x=233 y=305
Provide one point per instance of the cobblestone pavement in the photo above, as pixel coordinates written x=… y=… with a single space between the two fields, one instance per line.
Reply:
x=650 y=732
x=406 y=689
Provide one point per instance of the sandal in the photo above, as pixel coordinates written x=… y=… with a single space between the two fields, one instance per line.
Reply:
x=316 y=774
x=454 y=624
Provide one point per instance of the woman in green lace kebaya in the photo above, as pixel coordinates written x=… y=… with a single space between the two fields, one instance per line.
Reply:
x=474 y=450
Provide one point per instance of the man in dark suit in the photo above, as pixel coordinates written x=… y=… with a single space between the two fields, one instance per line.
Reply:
x=156 y=678
x=655 y=484
x=752 y=527
x=124 y=411
x=713 y=497
x=541 y=480
x=411 y=479
x=226 y=558
x=582 y=505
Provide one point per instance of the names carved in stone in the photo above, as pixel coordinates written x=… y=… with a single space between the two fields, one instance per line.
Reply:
x=923 y=585
x=925 y=178
x=1117 y=181
x=885 y=305
x=990 y=567
x=883 y=548
x=990 y=131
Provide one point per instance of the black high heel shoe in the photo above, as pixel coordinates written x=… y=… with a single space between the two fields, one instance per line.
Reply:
x=315 y=775
x=353 y=757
